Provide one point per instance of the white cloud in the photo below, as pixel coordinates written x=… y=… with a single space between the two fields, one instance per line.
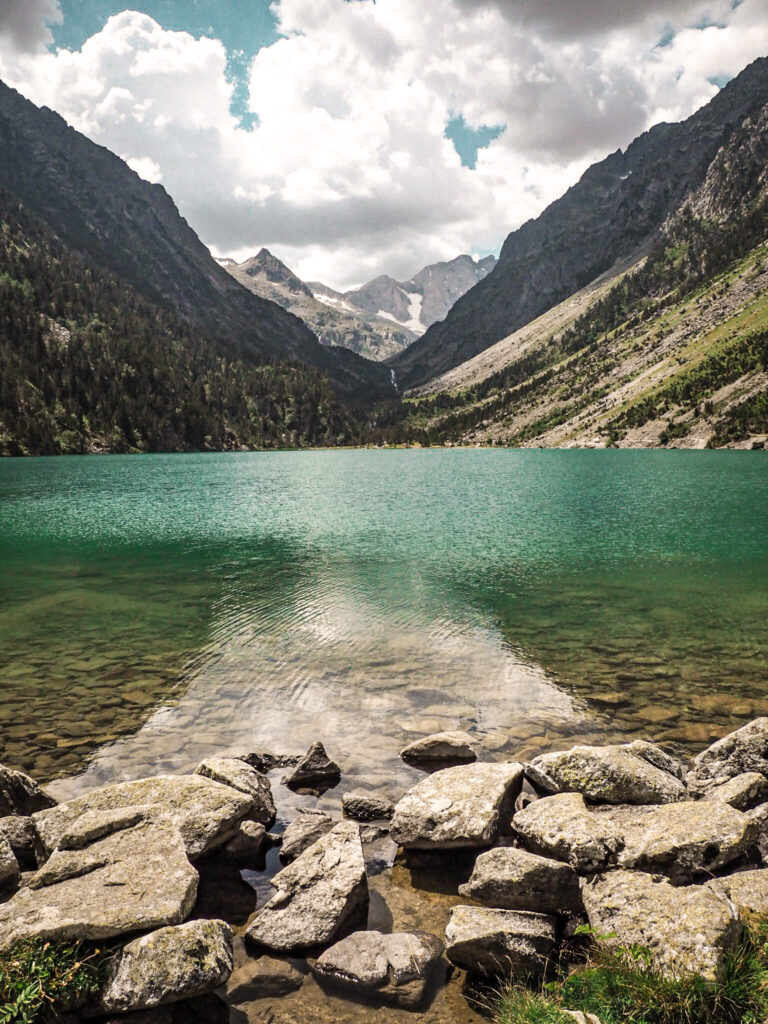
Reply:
x=24 y=23
x=348 y=173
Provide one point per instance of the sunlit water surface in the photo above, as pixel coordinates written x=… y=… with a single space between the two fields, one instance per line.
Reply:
x=157 y=609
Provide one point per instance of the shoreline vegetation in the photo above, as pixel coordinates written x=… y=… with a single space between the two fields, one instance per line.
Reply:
x=613 y=883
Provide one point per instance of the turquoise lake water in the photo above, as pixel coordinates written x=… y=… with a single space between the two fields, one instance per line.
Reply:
x=154 y=609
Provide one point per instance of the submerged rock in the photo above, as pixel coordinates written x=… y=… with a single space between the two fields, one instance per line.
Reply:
x=743 y=791
x=265 y=761
x=230 y=771
x=637 y=773
x=167 y=966
x=206 y=813
x=745 y=750
x=365 y=807
x=500 y=942
x=447 y=748
x=463 y=806
x=313 y=771
x=305 y=829
x=688 y=929
x=136 y=878
x=263 y=977
x=19 y=794
x=394 y=968
x=319 y=897
x=513 y=879
x=562 y=827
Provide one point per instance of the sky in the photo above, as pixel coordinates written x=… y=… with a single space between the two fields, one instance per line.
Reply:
x=360 y=137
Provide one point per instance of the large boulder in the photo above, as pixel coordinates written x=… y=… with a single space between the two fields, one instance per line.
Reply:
x=688 y=929
x=166 y=966
x=230 y=771
x=305 y=829
x=19 y=794
x=562 y=827
x=513 y=879
x=500 y=942
x=394 y=968
x=747 y=890
x=743 y=791
x=321 y=896
x=205 y=812
x=627 y=774
x=131 y=879
x=681 y=839
x=467 y=805
x=446 y=748
x=9 y=866
x=745 y=750
x=315 y=771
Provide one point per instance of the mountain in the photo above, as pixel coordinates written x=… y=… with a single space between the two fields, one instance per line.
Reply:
x=377 y=320
x=332 y=318
x=613 y=212
x=102 y=210
x=428 y=295
x=667 y=349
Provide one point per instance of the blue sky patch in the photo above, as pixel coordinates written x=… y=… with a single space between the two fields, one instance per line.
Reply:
x=469 y=141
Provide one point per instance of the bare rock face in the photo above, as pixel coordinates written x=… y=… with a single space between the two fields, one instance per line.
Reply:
x=365 y=807
x=446 y=748
x=463 y=806
x=205 y=812
x=499 y=942
x=747 y=890
x=627 y=774
x=759 y=818
x=393 y=968
x=319 y=897
x=314 y=771
x=135 y=878
x=230 y=771
x=562 y=827
x=513 y=879
x=9 y=866
x=306 y=828
x=745 y=750
x=689 y=929
x=167 y=966
x=248 y=843
x=743 y=791
x=24 y=840
x=19 y=794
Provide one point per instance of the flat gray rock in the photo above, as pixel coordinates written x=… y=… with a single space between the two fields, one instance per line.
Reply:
x=745 y=750
x=468 y=805
x=688 y=929
x=447 y=748
x=9 y=866
x=747 y=890
x=319 y=897
x=393 y=968
x=626 y=774
x=313 y=771
x=22 y=835
x=166 y=966
x=205 y=812
x=305 y=829
x=366 y=807
x=500 y=942
x=511 y=879
x=230 y=771
x=743 y=791
x=19 y=794
x=133 y=879
x=562 y=827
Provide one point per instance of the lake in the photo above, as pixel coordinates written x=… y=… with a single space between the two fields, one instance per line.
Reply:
x=158 y=609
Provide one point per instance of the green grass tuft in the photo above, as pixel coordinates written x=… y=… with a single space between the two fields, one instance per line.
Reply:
x=39 y=980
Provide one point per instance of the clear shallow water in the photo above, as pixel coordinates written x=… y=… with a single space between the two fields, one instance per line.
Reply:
x=157 y=609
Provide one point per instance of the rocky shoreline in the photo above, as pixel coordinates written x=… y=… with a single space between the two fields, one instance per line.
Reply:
x=626 y=839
